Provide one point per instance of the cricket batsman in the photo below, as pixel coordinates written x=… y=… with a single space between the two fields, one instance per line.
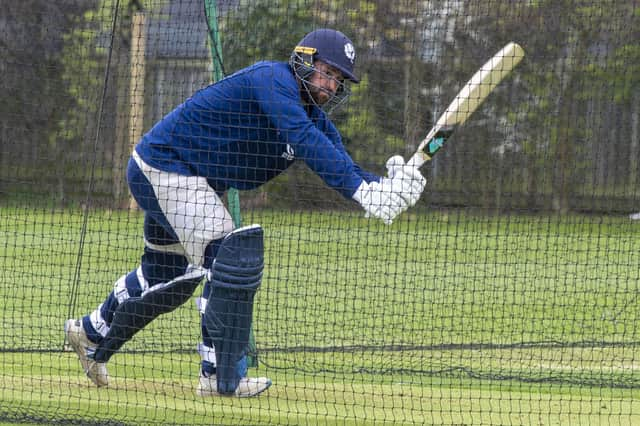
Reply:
x=237 y=133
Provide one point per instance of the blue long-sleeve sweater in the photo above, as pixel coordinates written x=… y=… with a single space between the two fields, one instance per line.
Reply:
x=248 y=128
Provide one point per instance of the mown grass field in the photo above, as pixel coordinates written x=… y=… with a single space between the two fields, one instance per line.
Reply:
x=442 y=318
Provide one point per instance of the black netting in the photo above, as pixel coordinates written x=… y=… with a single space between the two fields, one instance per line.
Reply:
x=507 y=295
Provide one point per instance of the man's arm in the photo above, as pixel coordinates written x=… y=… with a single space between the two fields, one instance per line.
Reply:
x=330 y=130
x=383 y=198
x=279 y=99
x=402 y=181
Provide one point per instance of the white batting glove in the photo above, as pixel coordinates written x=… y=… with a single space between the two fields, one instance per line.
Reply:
x=381 y=199
x=407 y=178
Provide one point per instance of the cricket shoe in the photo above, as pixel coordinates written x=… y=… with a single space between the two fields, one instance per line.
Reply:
x=248 y=386
x=77 y=338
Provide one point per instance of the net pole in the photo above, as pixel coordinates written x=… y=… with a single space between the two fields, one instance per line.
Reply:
x=136 y=88
x=211 y=13
x=233 y=196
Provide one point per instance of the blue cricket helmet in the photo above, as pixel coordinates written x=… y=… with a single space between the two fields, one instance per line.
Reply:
x=332 y=47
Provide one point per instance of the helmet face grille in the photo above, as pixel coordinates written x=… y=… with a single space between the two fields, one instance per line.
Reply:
x=303 y=67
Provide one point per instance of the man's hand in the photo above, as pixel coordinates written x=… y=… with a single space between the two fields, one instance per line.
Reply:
x=394 y=194
x=407 y=178
x=381 y=199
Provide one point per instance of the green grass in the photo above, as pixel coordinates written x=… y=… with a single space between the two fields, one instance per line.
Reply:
x=442 y=318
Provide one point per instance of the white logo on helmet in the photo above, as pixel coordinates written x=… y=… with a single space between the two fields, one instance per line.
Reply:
x=350 y=52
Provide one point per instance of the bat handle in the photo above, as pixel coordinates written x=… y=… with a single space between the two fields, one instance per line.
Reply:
x=417 y=160
x=432 y=144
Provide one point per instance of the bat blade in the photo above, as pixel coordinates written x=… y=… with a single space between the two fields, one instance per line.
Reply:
x=467 y=100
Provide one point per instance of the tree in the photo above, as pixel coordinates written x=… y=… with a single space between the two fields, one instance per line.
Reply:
x=36 y=98
x=556 y=91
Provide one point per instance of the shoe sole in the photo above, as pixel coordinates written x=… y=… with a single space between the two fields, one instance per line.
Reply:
x=73 y=338
x=254 y=394
x=202 y=393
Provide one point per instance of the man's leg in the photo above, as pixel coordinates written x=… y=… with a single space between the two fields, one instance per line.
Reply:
x=133 y=313
x=227 y=308
x=201 y=221
x=161 y=283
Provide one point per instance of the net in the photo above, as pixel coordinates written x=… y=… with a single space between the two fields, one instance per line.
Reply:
x=507 y=295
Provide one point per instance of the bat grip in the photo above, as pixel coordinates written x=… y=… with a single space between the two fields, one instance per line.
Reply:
x=417 y=160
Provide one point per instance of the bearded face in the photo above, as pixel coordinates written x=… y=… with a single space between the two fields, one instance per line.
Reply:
x=323 y=85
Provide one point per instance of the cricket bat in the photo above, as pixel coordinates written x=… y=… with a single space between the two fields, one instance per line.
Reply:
x=467 y=101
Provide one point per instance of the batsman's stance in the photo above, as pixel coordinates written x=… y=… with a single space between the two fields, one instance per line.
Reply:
x=239 y=132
